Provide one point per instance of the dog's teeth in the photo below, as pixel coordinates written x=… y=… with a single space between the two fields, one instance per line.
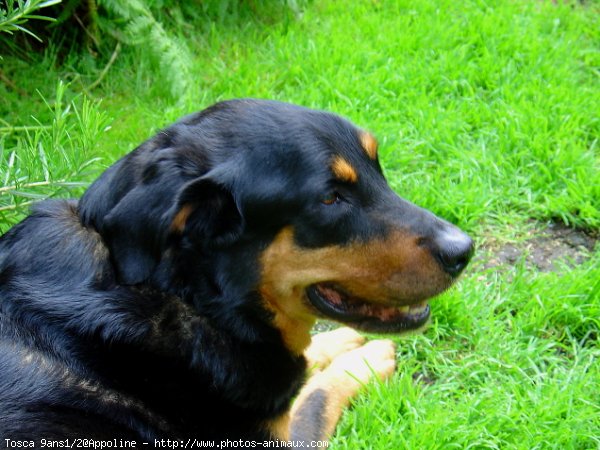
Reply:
x=418 y=308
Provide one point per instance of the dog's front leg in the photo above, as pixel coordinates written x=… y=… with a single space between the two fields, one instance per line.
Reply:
x=318 y=407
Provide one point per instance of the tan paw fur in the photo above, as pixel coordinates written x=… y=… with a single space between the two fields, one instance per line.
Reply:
x=325 y=347
x=374 y=358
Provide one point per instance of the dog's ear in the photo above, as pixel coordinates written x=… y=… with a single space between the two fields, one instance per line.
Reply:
x=151 y=217
x=206 y=214
x=133 y=230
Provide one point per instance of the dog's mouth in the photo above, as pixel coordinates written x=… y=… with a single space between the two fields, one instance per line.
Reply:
x=334 y=303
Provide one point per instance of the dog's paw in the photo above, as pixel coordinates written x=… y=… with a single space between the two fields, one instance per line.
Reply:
x=328 y=392
x=325 y=347
x=376 y=358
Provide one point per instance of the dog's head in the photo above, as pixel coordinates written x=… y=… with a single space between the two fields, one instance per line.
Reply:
x=278 y=202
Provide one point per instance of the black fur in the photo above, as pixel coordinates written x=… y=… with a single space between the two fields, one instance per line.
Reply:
x=115 y=324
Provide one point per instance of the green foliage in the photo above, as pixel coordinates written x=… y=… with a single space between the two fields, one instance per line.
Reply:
x=156 y=28
x=41 y=161
x=132 y=22
x=13 y=15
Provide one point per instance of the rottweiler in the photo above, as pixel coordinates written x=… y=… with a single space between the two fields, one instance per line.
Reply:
x=175 y=299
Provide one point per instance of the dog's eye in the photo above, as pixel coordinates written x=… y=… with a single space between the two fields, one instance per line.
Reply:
x=331 y=199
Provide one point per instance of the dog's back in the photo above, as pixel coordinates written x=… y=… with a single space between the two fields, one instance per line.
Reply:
x=42 y=259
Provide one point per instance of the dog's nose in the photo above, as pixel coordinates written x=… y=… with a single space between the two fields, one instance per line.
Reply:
x=452 y=249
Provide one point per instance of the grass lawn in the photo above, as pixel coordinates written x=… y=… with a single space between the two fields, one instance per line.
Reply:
x=487 y=112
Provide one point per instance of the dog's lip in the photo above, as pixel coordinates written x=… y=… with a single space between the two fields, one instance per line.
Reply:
x=334 y=303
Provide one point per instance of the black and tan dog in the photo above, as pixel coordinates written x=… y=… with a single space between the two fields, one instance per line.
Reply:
x=175 y=299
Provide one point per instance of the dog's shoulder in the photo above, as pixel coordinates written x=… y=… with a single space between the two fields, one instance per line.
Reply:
x=51 y=244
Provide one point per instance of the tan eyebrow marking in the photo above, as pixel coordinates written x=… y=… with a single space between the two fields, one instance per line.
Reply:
x=343 y=170
x=369 y=144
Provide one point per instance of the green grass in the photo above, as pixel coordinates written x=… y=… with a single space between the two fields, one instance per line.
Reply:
x=487 y=113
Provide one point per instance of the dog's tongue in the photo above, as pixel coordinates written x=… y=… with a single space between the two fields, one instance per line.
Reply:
x=332 y=296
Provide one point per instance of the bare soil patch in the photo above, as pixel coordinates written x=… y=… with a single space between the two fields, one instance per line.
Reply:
x=546 y=249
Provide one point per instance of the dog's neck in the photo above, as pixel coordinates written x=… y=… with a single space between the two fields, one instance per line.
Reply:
x=294 y=332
